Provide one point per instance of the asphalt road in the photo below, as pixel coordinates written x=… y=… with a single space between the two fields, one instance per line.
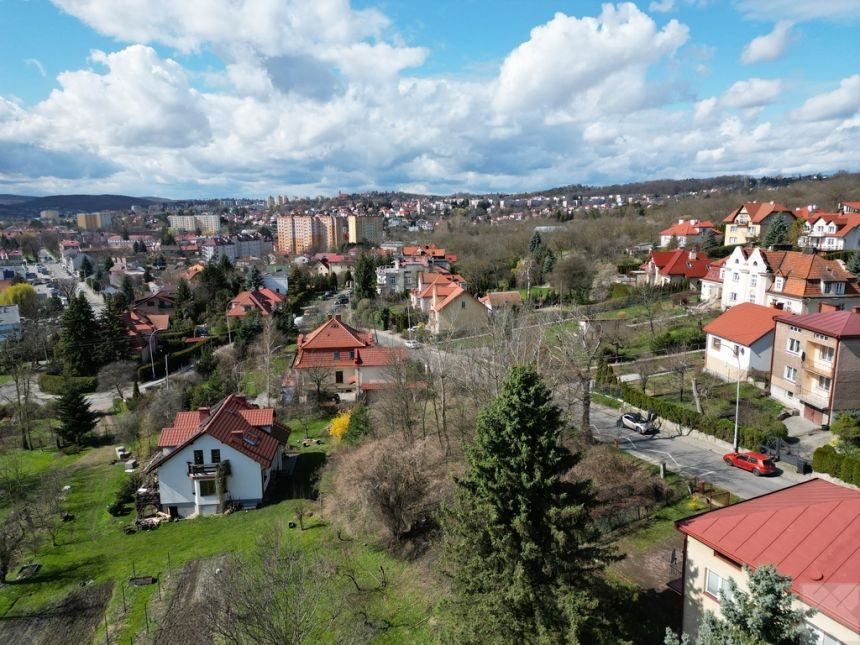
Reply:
x=687 y=456
x=58 y=272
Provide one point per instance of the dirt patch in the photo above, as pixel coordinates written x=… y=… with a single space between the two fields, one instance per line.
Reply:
x=185 y=621
x=74 y=620
x=653 y=568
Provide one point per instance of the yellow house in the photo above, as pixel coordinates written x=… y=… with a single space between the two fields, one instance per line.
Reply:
x=810 y=532
x=749 y=221
x=456 y=312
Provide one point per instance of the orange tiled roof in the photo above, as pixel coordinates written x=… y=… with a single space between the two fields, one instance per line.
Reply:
x=364 y=357
x=501 y=298
x=803 y=273
x=685 y=228
x=679 y=263
x=759 y=211
x=335 y=334
x=263 y=300
x=744 y=323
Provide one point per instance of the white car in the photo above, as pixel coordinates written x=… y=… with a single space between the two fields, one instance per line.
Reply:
x=412 y=344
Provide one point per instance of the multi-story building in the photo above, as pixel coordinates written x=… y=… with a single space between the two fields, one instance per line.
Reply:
x=687 y=232
x=206 y=223
x=796 y=282
x=296 y=234
x=365 y=228
x=831 y=232
x=251 y=245
x=808 y=532
x=213 y=249
x=816 y=363
x=94 y=221
x=10 y=322
x=750 y=221
x=331 y=231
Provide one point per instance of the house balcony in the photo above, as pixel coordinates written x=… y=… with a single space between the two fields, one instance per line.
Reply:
x=820 y=368
x=816 y=398
x=208 y=471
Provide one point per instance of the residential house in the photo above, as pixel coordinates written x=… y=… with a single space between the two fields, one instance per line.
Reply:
x=790 y=280
x=750 y=221
x=674 y=267
x=686 y=233
x=210 y=459
x=712 y=284
x=162 y=301
x=816 y=363
x=141 y=328
x=455 y=313
x=433 y=285
x=807 y=531
x=263 y=301
x=497 y=300
x=831 y=232
x=215 y=248
x=336 y=356
x=334 y=263
x=10 y=322
x=740 y=341
x=849 y=207
x=277 y=281
x=429 y=252
x=193 y=271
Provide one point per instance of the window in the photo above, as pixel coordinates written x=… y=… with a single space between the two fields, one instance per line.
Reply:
x=793 y=328
x=198 y=457
x=337 y=356
x=462 y=304
x=790 y=373
x=826 y=354
x=733 y=297
x=752 y=297
x=794 y=345
x=777 y=285
x=754 y=281
x=207 y=487
x=820 y=637
x=714 y=583
x=216 y=456
x=821 y=336
x=824 y=383
x=736 y=277
x=732 y=240
x=716 y=343
x=338 y=377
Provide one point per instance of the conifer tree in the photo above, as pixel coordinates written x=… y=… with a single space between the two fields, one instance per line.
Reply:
x=853 y=264
x=365 y=277
x=777 y=232
x=76 y=418
x=113 y=333
x=254 y=280
x=519 y=543
x=78 y=338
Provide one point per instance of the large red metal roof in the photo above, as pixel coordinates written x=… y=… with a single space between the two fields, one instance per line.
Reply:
x=810 y=532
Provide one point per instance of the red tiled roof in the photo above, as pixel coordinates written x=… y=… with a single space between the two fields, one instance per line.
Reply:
x=501 y=299
x=228 y=424
x=678 y=262
x=744 y=323
x=713 y=274
x=759 y=211
x=804 y=272
x=839 y=324
x=364 y=357
x=258 y=416
x=264 y=300
x=455 y=293
x=810 y=532
x=335 y=334
x=687 y=227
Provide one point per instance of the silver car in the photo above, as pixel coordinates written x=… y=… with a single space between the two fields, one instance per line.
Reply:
x=638 y=423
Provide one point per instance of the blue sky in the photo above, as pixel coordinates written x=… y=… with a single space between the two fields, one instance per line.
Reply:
x=253 y=97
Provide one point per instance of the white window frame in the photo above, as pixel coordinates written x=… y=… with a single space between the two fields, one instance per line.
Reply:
x=822 y=381
x=791 y=373
x=733 y=297
x=826 y=353
x=793 y=346
x=778 y=283
x=720 y=584
x=820 y=637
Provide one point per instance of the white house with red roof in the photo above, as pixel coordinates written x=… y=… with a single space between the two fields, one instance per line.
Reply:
x=687 y=232
x=810 y=532
x=673 y=267
x=433 y=285
x=455 y=313
x=262 y=301
x=712 y=284
x=336 y=356
x=831 y=232
x=211 y=458
x=741 y=341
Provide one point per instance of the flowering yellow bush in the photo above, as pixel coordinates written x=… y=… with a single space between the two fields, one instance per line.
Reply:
x=339 y=425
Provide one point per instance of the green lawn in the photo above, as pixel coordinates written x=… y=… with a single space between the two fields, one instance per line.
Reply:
x=94 y=548
x=5 y=378
x=254 y=382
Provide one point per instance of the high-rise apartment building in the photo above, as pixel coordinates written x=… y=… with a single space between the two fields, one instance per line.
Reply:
x=298 y=234
x=206 y=223
x=365 y=228
x=94 y=221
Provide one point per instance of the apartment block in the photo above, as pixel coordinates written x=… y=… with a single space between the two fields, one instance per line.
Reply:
x=207 y=223
x=305 y=234
x=94 y=221
x=365 y=228
x=816 y=363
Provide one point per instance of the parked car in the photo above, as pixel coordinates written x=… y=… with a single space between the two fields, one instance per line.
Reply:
x=412 y=344
x=638 y=422
x=757 y=463
x=341 y=300
x=328 y=295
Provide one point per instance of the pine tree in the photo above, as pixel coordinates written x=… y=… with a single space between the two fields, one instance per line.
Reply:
x=535 y=242
x=78 y=338
x=86 y=268
x=76 y=418
x=254 y=280
x=853 y=264
x=777 y=232
x=365 y=277
x=709 y=240
x=519 y=543
x=127 y=289
x=183 y=300
x=113 y=333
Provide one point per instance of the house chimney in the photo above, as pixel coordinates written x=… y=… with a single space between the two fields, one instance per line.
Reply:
x=336 y=317
x=681 y=221
x=692 y=254
x=205 y=410
x=855 y=310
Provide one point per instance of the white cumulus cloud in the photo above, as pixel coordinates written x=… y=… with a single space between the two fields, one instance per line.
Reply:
x=841 y=103
x=769 y=47
x=754 y=92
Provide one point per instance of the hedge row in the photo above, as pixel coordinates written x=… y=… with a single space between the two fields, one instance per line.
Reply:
x=724 y=429
x=58 y=384
x=845 y=467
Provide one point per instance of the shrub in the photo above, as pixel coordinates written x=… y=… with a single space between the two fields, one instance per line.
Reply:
x=56 y=384
x=822 y=459
x=339 y=425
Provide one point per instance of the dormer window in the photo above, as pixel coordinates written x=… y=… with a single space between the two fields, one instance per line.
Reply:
x=777 y=285
x=835 y=288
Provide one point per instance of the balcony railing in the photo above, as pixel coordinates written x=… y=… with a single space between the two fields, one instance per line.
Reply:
x=204 y=471
x=816 y=398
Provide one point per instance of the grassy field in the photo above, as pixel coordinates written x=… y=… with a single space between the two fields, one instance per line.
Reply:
x=93 y=549
x=254 y=382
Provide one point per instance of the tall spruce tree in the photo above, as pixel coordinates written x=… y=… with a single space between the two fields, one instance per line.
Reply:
x=777 y=232
x=519 y=543
x=254 y=279
x=78 y=338
x=365 y=277
x=853 y=264
x=113 y=332
x=76 y=418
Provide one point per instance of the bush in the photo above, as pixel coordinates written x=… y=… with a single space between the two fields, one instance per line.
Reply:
x=822 y=459
x=56 y=384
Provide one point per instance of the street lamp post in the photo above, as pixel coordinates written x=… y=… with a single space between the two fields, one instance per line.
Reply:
x=738 y=353
x=227 y=316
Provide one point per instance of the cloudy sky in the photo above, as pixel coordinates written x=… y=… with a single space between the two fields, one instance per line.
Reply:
x=301 y=97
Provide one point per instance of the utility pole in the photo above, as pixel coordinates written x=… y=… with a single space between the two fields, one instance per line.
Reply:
x=166 y=374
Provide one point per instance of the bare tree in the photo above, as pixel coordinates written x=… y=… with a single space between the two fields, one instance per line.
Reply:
x=680 y=363
x=400 y=405
x=12 y=534
x=281 y=593
x=317 y=376
x=649 y=296
x=13 y=362
x=67 y=288
x=117 y=374
x=576 y=350
x=266 y=349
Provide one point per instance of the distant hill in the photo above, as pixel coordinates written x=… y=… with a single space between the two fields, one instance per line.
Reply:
x=27 y=207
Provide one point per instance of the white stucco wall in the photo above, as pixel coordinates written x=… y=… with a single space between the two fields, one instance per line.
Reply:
x=244 y=484
x=722 y=362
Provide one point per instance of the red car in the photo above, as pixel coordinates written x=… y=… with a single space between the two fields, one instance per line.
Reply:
x=755 y=462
